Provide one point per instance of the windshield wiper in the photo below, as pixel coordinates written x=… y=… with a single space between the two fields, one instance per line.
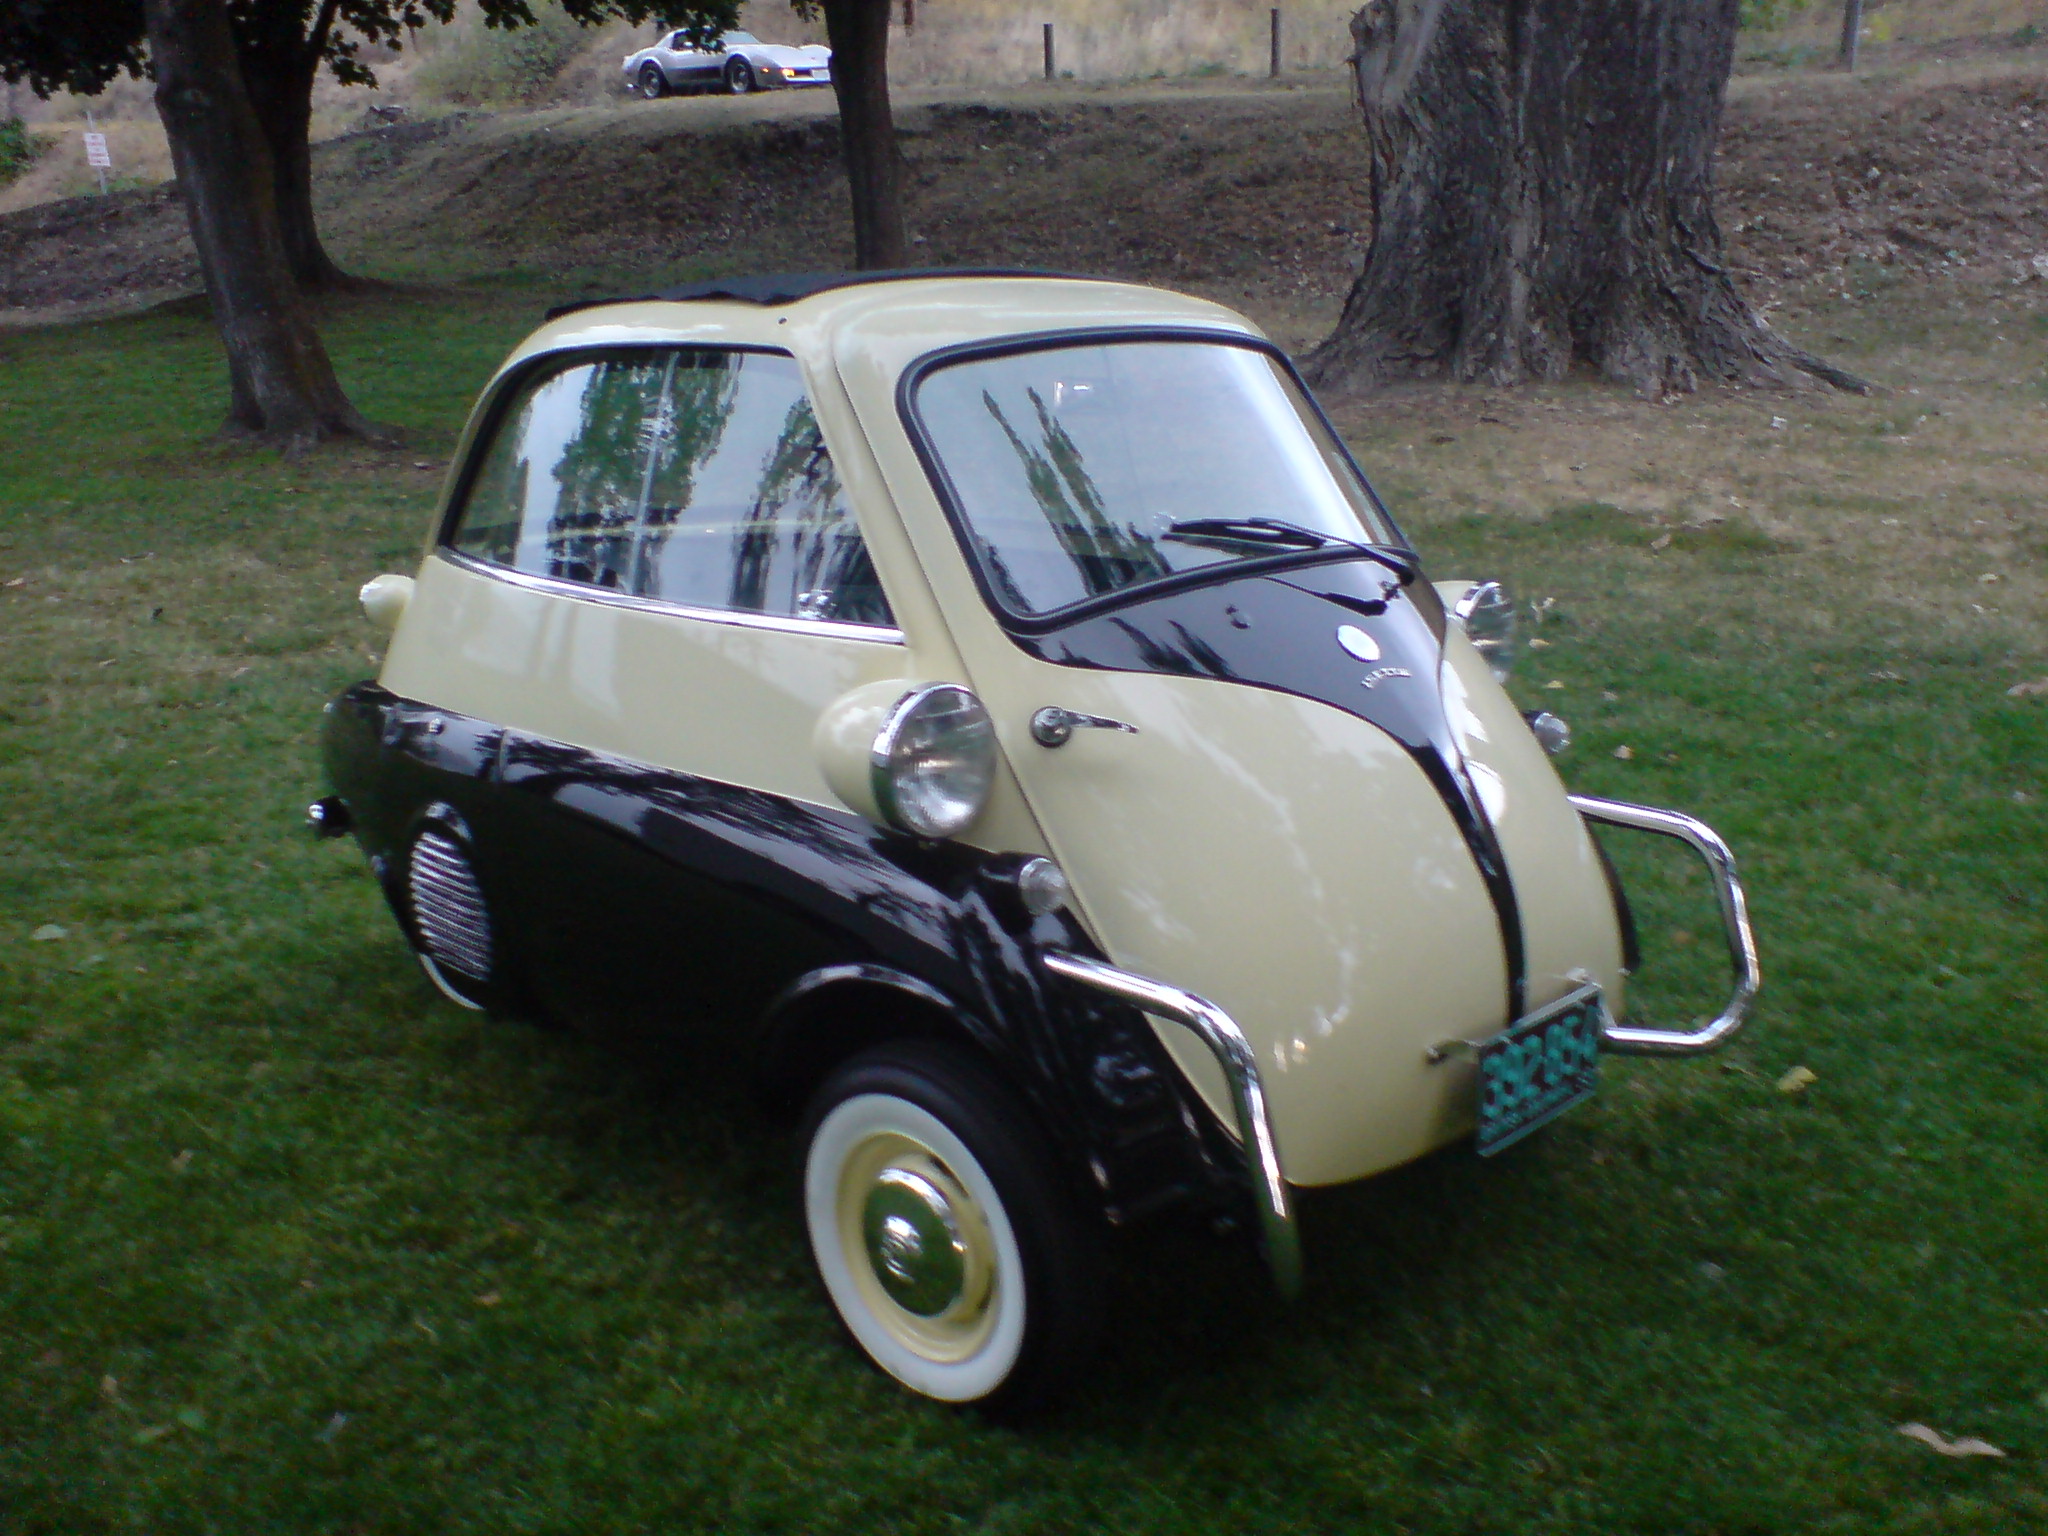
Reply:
x=1277 y=534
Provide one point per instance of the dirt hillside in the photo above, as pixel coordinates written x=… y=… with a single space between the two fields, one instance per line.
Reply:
x=1231 y=189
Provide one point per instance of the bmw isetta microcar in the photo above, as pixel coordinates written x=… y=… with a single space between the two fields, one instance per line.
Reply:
x=994 y=709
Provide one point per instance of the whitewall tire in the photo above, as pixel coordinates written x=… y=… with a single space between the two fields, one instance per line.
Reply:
x=943 y=1237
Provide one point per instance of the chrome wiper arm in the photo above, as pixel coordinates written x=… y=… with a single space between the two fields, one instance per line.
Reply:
x=1276 y=533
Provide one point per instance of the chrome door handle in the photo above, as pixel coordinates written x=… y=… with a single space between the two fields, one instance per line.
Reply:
x=1053 y=726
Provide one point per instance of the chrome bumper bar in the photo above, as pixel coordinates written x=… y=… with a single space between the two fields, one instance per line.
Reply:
x=1706 y=842
x=1279 y=1238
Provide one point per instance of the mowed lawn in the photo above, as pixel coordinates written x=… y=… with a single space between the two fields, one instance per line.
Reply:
x=287 y=1243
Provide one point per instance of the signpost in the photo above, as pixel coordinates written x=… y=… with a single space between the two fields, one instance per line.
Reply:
x=96 y=154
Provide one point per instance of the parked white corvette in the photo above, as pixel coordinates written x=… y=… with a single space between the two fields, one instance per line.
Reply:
x=738 y=62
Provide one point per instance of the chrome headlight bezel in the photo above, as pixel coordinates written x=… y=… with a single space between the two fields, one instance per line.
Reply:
x=1487 y=615
x=933 y=763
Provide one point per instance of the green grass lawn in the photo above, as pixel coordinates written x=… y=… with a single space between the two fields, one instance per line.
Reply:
x=287 y=1243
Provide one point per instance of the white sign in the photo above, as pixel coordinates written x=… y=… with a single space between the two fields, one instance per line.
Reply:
x=96 y=151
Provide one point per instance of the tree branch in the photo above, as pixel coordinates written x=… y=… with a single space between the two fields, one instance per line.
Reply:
x=322 y=28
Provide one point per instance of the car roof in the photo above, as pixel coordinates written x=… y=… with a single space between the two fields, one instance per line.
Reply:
x=788 y=287
x=875 y=316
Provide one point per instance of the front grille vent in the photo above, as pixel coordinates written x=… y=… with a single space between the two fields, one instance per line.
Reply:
x=448 y=906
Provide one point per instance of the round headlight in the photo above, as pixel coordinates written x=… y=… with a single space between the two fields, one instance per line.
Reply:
x=1488 y=616
x=934 y=761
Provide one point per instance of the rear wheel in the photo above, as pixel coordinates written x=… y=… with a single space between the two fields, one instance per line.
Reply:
x=739 y=77
x=943 y=1233
x=653 y=83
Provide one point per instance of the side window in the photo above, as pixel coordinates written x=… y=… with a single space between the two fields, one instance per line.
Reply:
x=690 y=476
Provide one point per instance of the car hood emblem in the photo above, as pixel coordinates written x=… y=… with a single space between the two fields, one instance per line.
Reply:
x=1358 y=642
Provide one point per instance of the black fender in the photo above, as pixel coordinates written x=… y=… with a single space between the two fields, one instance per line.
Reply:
x=847 y=933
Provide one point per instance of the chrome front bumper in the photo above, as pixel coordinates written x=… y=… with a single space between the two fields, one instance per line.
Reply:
x=1706 y=842
x=1279 y=1238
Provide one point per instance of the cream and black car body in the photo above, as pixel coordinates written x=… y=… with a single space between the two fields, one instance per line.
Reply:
x=994 y=709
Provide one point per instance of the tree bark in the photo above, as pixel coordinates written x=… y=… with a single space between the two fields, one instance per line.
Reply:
x=858 y=31
x=281 y=385
x=280 y=55
x=1542 y=195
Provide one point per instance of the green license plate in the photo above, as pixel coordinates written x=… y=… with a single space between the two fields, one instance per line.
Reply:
x=1535 y=1071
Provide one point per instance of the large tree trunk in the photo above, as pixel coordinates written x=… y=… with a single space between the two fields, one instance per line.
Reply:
x=858 y=31
x=281 y=385
x=279 y=60
x=1542 y=193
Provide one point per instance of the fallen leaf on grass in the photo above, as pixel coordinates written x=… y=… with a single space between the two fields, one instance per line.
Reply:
x=154 y=1433
x=1539 y=644
x=1553 y=683
x=49 y=931
x=1941 y=1445
x=331 y=1431
x=1797 y=1079
x=1662 y=541
x=182 y=1161
x=489 y=1299
x=2036 y=689
x=1624 y=753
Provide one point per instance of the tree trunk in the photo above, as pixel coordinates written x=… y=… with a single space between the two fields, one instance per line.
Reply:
x=1542 y=195
x=858 y=31
x=278 y=65
x=281 y=385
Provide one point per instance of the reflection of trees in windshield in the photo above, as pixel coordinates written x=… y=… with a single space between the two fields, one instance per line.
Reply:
x=799 y=538
x=1108 y=554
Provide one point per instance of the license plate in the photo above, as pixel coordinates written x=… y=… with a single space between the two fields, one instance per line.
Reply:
x=1535 y=1071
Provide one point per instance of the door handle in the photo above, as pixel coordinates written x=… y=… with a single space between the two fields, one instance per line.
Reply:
x=1053 y=726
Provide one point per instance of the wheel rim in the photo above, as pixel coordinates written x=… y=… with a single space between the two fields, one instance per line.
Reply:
x=650 y=80
x=740 y=78
x=915 y=1248
x=918 y=1246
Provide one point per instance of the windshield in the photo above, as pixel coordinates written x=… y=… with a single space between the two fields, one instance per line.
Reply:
x=1078 y=471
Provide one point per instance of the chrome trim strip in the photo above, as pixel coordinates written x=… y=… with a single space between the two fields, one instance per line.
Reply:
x=877 y=634
x=1720 y=862
x=1278 y=1235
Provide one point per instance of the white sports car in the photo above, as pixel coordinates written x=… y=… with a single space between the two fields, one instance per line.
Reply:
x=738 y=62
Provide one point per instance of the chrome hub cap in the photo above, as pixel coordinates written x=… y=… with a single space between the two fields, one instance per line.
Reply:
x=914 y=1242
x=919 y=1246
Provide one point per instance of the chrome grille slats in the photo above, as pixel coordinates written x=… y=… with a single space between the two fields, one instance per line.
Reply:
x=448 y=906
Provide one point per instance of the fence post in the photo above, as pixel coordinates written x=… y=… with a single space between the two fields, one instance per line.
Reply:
x=1276 y=43
x=1852 y=31
x=1048 y=51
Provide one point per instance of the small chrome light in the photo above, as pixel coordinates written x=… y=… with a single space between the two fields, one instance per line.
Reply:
x=1550 y=730
x=933 y=762
x=1042 y=886
x=328 y=817
x=1488 y=617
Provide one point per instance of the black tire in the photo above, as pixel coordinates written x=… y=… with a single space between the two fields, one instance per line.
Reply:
x=653 y=83
x=739 y=78
x=946 y=1239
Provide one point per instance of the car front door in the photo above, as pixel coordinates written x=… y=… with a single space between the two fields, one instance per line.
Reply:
x=1233 y=820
